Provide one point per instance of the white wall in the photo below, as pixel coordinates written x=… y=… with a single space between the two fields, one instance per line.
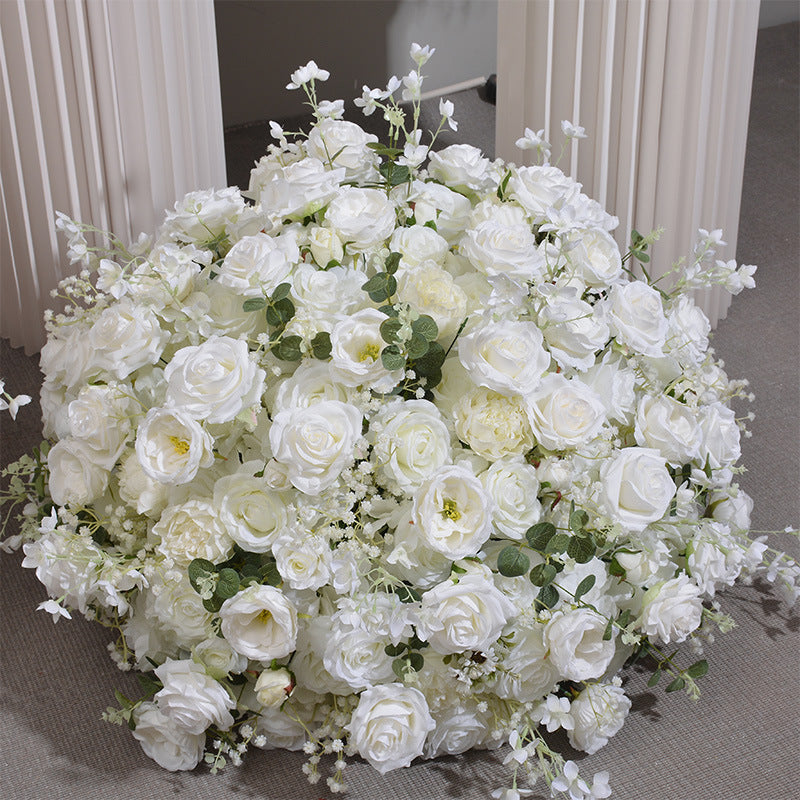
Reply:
x=261 y=42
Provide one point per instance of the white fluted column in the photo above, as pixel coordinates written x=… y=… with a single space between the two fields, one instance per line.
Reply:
x=663 y=90
x=111 y=111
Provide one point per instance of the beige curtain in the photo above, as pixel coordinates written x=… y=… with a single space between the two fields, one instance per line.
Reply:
x=663 y=90
x=110 y=112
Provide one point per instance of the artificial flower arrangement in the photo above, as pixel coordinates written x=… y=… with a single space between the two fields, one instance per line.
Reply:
x=389 y=456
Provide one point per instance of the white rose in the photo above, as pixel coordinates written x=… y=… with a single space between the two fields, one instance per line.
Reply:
x=74 y=477
x=538 y=188
x=564 y=413
x=733 y=506
x=492 y=424
x=527 y=674
x=431 y=290
x=577 y=648
x=362 y=218
x=460 y=166
x=720 y=436
x=168 y=744
x=175 y=607
x=356 y=345
x=463 y=616
x=688 y=329
x=217 y=311
x=302 y=561
x=312 y=638
x=273 y=687
x=636 y=487
x=138 y=490
x=215 y=380
x=413 y=560
x=714 y=559
x=614 y=384
x=668 y=426
x=672 y=609
x=124 y=338
x=419 y=243
x=257 y=264
x=573 y=330
x=453 y=512
x=64 y=360
x=192 y=530
x=446 y=209
x=99 y=417
x=459 y=727
x=497 y=249
x=596 y=258
x=390 y=725
x=203 y=215
x=167 y=278
x=253 y=514
x=343 y=144
x=191 y=698
x=260 y=623
x=636 y=317
x=358 y=658
x=513 y=486
x=172 y=446
x=325 y=246
x=316 y=443
x=311 y=382
x=651 y=563
x=328 y=294
x=599 y=713
x=505 y=356
x=218 y=658
x=297 y=190
x=412 y=444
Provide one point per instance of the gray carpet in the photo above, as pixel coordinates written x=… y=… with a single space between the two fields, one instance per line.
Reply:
x=738 y=742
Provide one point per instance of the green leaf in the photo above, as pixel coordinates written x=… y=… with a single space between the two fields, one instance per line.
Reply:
x=392 y=358
x=254 y=304
x=270 y=574
x=581 y=548
x=615 y=569
x=654 y=678
x=425 y=326
x=607 y=633
x=199 y=568
x=391 y=285
x=698 y=669
x=281 y=290
x=624 y=618
x=548 y=596
x=288 y=349
x=584 y=586
x=557 y=544
x=389 y=328
x=417 y=346
x=122 y=700
x=321 y=345
x=430 y=363
x=395 y=174
x=543 y=574
x=407 y=594
x=392 y=262
x=280 y=312
x=389 y=310
x=430 y=224
x=676 y=685
x=393 y=650
x=332 y=263
x=150 y=685
x=384 y=150
x=377 y=283
x=228 y=584
x=213 y=604
x=512 y=562
x=540 y=534
x=578 y=520
x=416 y=660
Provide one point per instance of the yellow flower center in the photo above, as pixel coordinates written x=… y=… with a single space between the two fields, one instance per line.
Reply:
x=264 y=616
x=181 y=445
x=450 y=510
x=369 y=351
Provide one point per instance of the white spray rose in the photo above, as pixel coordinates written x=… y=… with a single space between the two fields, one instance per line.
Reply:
x=498 y=249
x=412 y=444
x=564 y=413
x=714 y=559
x=325 y=245
x=668 y=426
x=636 y=317
x=343 y=144
x=438 y=204
x=99 y=418
x=459 y=727
x=138 y=489
x=390 y=725
x=513 y=486
x=468 y=615
x=636 y=487
x=577 y=647
x=688 y=329
x=201 y=216
x=273 y=687
x=528 y=674
x=453 y=512
x=573 y=330
x=257 y=264
x=191 y=698
x=362 y=218
x=358 y=658
x=260 y=623
x=218 y=658
x=74 y=477
x=215 y=380
x=720 y=436
x=539 y=188
x=296 y=190
x=596 y=258
x=172 y=446
x=419 y=243
x=599 y=713
x=315 y=444
x=302 y=561
x=672 y=609
x=460 y=166
x=169 y=745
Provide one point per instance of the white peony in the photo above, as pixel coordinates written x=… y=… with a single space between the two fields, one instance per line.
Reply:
x=192 y=530
x=389 y=726
x=260 y=623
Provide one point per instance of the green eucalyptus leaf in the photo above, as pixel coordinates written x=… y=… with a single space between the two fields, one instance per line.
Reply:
x=254 y=304
x=392 y=358
x=584 y=586
x=280 y=292
x=698 y=669
x=512 y=562
x=548 y=596
x=389 y=328
x=609 y=631
x=228 y=584
x=425 y=326
x=417 y=346
x=392 y=262
x=393 y=650
x=321 y=345
x=288 y=349
x=416 y=661
x=540 y=534
x=543 y=574
x=676 y=685
x=581 y=549
x=199 y=568
x=557 y=544
x=578 y=520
